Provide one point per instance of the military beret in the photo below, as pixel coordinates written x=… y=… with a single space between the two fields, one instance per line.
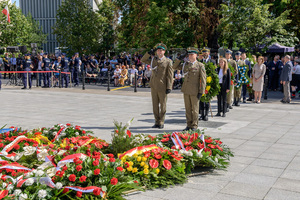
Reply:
x=228 y=51
x=192 y=50
x=297 y=61
x=45 y=54
x=205 y=50
x=63 y=54
x=238 y=53
x=161 y=46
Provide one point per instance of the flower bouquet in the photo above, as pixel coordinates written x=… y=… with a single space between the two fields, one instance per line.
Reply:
x=212 y=83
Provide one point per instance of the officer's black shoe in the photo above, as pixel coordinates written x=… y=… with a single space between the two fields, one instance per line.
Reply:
x=244 y=101
x=155 y=126
x=218 y=114
x=227 y=110
x=205 y=118
x=249 y=99
x=230 y=107
x=44 y=87
x=238 y=103
x=161 y=126
x=193 y=129
x=224 y=115
x=200 y=118
x=186 y=129
x=23 y=88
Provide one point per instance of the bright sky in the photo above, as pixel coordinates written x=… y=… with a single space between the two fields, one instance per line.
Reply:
x=15 y=1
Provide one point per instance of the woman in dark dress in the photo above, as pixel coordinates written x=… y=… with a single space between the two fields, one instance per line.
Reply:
x=224 y=80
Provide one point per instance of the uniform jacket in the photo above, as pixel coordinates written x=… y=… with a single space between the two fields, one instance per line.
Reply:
x=234 y=65
x=162 y=72
x=286 y=74
x=194 y=77
x=226 y=79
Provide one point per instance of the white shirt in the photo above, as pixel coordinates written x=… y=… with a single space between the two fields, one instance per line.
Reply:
x=133 y=71
x=297 y=69
x=221 y=75
x=177 y=76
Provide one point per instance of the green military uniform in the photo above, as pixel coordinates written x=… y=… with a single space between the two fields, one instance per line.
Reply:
x=161 y=80
x=230 y=94
x=194 y=84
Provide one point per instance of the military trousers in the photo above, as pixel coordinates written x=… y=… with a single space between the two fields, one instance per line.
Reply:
x=159 y=103
x=230 y=95
x=191 y=103
x=237 y=93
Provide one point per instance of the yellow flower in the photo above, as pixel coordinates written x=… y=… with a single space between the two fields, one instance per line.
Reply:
x=135 y=155
x=208 y=88
x=146 y=166
x=129 y=169
x=146 y=171
x=71 y=145
x=130 y=163
x=157 y=171
x=121 y=162
x=134 y=170
x=208 y=79
x=142 y=164
x=144 y=159
x=139 y=159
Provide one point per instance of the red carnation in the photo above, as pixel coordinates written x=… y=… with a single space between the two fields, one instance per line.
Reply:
x=201 y=146
x=78 y=168
x=114 y=181
x=147 y=155
x=208 y=150
x=153 y=163
x=219 y=147
x=65 y=190
x=96 y=172
x=26 y=144
x=110 y=155
x=51 y=146
x=3 y=194
x=82 y=179
x=72 y=178
x=189 y=148
x=68 y=124
x=165 y=140
x=83 y=132
x=79 y=194
x=206 y=92
x=136 y=182
x=211 y=146
x=157 y=156
x=1 y=145
x=17 y=147
x=128 y=133
x=96 y=162
x=209 y=140
x=112 y=160
x=65 y=168
x=126 y=164
x=167 y=164
x=120 y=168
x=97 y=191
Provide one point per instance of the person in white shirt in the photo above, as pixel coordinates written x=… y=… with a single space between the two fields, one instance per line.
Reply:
x=116 y=75
x=147 y=75
x=178 y=79
x=133 y=71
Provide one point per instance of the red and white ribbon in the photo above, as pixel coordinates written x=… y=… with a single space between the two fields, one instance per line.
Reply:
x=131 y=152
x=15 y=167
x=89 y=189
x=69 y=159
x=61 y=130
x=177 y=141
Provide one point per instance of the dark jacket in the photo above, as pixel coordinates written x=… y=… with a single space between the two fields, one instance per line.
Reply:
x=286 y=74
x=226 y=79
x=273 y=68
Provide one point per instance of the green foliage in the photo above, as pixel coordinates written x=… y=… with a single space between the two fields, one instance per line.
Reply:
x=251 y=24
x=78 y=27
x=21 y=31
x=213 y=84
x=121 y=141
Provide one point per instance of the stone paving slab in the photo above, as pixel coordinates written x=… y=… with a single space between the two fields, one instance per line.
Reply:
x=264 y=137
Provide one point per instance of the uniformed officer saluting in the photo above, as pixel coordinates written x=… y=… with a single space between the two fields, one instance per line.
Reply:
x=193 y=86
x=160 y=82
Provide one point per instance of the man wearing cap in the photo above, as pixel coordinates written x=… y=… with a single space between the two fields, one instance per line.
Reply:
x=230 y=94
x=193 y=86
x=65 y=68
x=161 y=81
x=46 y=67
x=238 y=91
x=204 y=106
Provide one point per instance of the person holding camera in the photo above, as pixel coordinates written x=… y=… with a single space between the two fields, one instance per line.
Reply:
x=193 y=85
x=161 y=81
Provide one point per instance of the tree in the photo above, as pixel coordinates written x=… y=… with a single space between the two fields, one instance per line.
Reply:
x=250 y=24
x=21 y=31
x=78 y=27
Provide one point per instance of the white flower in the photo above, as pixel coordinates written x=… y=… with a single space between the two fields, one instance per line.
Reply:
x=76 y=133
x=39 y=173
x=10 y=187
x=17 y=192
x=45 y=131
x=42 y=194
x=216 y=159
x=60 y=153
x=54 y=133
x=45 y=165
x=181 y=151
x=23 y=196
x=4 y=185
x=51 y=172
x=29 y=150
x=63 y=134
x=29 y=174
x=42 y=155
x=17 y=156
x=29 y=181
x=58 y=185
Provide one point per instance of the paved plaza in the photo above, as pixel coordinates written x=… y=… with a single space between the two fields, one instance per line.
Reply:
x=264 y=137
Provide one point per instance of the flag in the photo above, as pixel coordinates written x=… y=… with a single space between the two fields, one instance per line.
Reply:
x=6 y=12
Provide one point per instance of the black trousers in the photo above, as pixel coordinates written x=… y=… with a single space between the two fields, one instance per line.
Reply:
x=222 y=100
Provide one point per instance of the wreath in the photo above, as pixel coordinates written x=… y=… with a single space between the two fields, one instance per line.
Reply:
x=244 y=79
x=232 y=77
x=212 y=83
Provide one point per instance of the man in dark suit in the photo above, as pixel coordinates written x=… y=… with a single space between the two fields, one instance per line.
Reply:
x=285 y=78
x=248 y=64
x=273 y=71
